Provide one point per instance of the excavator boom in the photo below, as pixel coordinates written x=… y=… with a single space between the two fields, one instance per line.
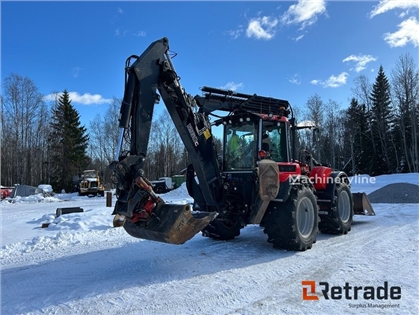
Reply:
x=143 y=213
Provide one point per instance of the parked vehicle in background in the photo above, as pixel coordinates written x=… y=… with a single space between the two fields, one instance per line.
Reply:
x=46 y=190
x=166 y=184
x=26 y=191
x=162 y=185
x=91 y=184
x=5 y=191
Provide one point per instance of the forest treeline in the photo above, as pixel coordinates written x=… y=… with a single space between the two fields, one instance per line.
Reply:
x=377 y=133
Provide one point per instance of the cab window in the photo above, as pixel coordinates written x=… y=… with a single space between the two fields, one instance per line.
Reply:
x=240 y=146
x=274 y=140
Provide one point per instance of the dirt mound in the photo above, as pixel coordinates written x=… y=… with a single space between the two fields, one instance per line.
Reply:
x=396 y=193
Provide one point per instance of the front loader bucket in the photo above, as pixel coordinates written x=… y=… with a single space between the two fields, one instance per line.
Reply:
x=170 y=223
x=362 y=205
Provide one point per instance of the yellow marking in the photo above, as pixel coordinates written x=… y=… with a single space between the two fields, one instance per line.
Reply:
x=207 y=134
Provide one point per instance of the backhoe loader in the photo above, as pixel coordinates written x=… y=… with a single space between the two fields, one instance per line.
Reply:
x=259 y=179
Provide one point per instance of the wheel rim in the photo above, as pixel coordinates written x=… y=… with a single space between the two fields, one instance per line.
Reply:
x=344 y=206
x=305 y=217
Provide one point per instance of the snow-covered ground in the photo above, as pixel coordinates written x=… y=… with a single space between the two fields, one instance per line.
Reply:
x=80 y=264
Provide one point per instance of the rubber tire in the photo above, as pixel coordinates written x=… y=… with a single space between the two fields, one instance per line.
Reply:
x=222 y=230
x=281 y=221
x=334 y=223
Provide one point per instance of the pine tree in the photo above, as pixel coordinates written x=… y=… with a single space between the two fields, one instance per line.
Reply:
x=351 y=131
x=357 y=134
x=68 y=144
x=381 y=123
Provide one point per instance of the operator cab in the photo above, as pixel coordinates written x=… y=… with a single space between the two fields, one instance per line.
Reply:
x=248 y=139
x=275 y=138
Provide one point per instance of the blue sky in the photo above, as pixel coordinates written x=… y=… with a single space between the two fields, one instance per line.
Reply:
x=290 y=50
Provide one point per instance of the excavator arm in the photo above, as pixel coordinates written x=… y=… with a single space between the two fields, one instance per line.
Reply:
x=143 y=213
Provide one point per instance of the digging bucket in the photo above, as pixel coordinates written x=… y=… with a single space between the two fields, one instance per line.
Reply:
x=362 y=205
x=170 y=223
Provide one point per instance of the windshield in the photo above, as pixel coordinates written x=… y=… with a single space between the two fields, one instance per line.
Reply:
x=90 y=174
x=240 y=149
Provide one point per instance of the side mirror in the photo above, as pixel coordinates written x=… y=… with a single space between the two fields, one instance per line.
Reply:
x=292 y=122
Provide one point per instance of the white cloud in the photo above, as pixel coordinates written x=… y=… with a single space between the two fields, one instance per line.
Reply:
x=408 y=32
x=403 y=14
x=295 y=79
x=387 y=5
x=85 y=99
x=262 y=28
x=234 y=34
x=299 y=37
x=361 y=61
x=336 y=81
x=140 y=34
x=75 y=72
x=333 y=81
x=120 y=11
x=304 y=12
x=232 y=86
x=119 y=33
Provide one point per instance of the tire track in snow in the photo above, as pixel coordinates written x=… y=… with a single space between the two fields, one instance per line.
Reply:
x=348 y=257
x=245 y=276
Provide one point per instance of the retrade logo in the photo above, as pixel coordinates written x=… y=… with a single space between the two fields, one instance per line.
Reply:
x=309 y=295
x=349 y=292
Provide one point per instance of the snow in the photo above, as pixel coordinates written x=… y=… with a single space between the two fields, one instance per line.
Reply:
x=80 y=264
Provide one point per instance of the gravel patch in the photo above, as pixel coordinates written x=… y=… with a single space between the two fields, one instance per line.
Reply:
x=396 y=193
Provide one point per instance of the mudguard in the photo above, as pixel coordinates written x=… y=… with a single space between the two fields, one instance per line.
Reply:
x=269 y=185
x=170 y=223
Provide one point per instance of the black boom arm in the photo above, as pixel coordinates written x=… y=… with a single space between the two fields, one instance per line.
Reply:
x=153 y=72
